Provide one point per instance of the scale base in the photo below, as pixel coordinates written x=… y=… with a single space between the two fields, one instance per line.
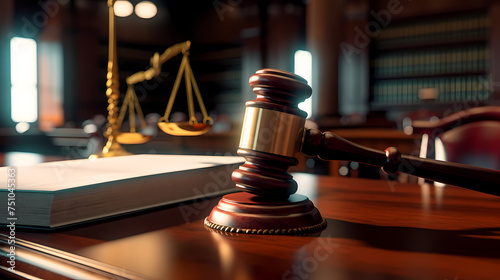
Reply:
x=112 y=149
x=248 y=213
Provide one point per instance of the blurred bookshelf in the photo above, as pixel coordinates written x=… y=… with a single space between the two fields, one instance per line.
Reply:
x=448 y=54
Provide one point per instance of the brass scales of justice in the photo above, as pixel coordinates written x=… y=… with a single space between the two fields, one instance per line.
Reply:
x=115 y=118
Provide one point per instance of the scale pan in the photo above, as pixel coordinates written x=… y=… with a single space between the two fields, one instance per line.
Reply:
x=184 y=128
x=132 y=138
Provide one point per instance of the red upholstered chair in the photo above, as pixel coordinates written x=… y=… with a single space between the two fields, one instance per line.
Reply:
x=471 y=137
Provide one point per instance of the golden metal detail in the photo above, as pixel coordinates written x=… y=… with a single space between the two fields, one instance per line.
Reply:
x=191 y=127
x=112 y=147
x=272 y=132
x=131 y=103
x=274 y=231
x=115 y=118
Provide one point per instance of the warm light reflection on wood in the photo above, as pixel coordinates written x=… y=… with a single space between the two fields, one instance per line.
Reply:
x=226 y=253
x=151 y=254
x=426 y=196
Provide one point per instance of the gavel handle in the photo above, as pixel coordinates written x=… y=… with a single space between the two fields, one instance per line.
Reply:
x=329 y=146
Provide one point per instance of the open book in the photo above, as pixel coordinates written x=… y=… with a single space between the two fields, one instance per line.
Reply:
x=61 y=193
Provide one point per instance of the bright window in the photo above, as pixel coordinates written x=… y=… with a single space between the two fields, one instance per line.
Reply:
x=303 y=68
x=24 y=88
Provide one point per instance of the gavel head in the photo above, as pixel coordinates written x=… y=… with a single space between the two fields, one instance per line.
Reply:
x=272 y=134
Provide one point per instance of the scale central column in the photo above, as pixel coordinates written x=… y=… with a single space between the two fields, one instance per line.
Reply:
x=112 y=147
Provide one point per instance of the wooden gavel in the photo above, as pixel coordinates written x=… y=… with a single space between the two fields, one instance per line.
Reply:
x=273 y=125
x=273 y=134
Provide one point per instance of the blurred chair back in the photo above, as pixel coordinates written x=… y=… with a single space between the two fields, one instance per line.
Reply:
x=471 y=137
x=405 y=122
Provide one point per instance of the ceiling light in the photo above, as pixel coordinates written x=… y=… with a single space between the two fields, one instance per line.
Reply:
x=123 y=8
x=145 y=9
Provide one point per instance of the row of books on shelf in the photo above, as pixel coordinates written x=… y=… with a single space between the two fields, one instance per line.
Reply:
x=474 y=58
x=446 y=89
x=447 y=29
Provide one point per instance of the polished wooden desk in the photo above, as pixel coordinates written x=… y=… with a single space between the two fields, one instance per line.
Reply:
x=376 y=230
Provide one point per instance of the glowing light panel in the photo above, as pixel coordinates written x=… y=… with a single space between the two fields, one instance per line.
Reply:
x=22 y=159
x=303 y=68
x=440 y=152
x=24 y=88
